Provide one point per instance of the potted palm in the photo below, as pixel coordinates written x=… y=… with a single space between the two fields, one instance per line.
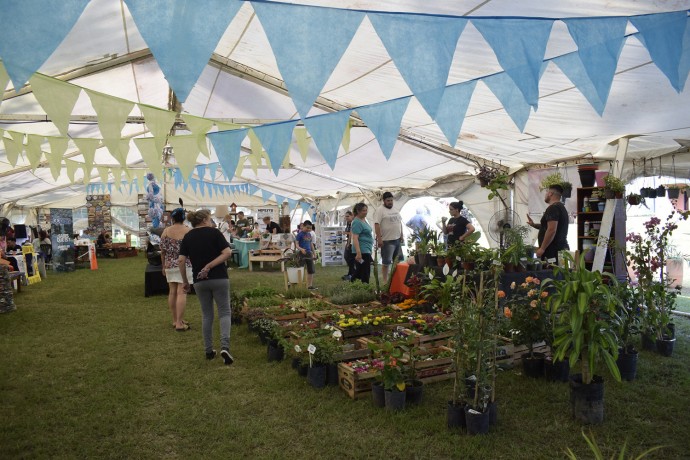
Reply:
x=585 y=332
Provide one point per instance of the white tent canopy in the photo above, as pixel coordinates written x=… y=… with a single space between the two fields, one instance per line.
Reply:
x=242 y=84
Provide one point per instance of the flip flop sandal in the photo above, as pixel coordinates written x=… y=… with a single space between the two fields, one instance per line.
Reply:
x=183 y=329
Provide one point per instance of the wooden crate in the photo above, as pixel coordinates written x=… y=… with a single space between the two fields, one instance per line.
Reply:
x=509 y=354
x=434 y=340
x=435 y=367
x=356 y=385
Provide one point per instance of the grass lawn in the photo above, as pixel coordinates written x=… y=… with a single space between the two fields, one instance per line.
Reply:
x=89 y=367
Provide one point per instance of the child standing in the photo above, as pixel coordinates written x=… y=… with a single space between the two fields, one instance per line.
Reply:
x=305 y=244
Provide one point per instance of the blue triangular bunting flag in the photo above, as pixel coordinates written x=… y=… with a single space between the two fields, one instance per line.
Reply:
x=511 y=98
x=422 y=48
x=252 y=189
x=662 y=35
x=305 y=207
x=213 y=169
x=519 y=45
x=599 y=44
x=327 y=132
x=684 y=66
x=265 y=195
x=227 y=145
x=30 y=30
x=452 y=109
x=276 y=139
x=307 y=43
x=279 y=199
x=571 y=65
x=384 y=120
x=182 y=35
x=201 y=171
x=291 y=204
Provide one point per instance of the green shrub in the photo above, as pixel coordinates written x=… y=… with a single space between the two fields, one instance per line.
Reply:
x=259 y=291
x=352 y=293
x=297 y=293
x=262 y=302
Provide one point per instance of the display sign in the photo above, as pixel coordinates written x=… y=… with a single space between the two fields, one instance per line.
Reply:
x=98 y=210
x=61 y=237
x=269 y=211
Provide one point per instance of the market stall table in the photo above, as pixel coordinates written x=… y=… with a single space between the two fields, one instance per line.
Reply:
x=244 y=246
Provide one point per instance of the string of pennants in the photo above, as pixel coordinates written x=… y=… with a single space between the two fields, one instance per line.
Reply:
x=201 y=186
x=303 y=37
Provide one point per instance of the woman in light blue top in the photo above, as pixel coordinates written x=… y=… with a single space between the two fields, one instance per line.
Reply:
x=362 y=243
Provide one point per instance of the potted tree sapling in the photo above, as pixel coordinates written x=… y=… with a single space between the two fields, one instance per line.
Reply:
x=585 y=333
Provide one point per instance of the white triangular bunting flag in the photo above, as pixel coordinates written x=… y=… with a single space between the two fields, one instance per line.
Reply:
x=186 y=151
x=57 y=98
x=87 y=147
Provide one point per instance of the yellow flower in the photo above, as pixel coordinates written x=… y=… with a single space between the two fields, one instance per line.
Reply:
x=376 y=323
x=342 y=316
x=359 y=323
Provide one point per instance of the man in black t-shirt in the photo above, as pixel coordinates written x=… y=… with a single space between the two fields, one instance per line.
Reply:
x=553 y=227
x=271 y=227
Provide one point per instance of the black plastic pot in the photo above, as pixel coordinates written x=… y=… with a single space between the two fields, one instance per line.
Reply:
x=275 y=351
x=332 y=375
x=263 y=337
x=414 y=390
x=671 y=330
x=295 y=363
x=567 y=192
x=587 y=175
x=395 y=400
x=377 y=394
x=648 y=342
x=303 y=370
x=455 y=416
x=477 y=422
x=534 y=366
x=558 y=371
x=316 y=376
x=673 y=193
x=627 y=363
x=493 y=412
x=587 y=401
x=644 y=192
x=660 y=191
x=651 y=193
x=665 y=346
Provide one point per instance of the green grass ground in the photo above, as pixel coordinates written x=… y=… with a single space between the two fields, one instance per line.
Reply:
x=90 y=368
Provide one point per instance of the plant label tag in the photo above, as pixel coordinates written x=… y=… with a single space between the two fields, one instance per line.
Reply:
x=298 y=349
x=311 y=349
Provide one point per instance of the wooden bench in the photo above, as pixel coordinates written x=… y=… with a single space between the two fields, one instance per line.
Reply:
x=266 y=255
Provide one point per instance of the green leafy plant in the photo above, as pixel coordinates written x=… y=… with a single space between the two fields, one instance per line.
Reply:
x=263 y=302
x=440 y=292
x=352 y=293
x=486 y=174
x=586 y=311
x=498 y=183
x=527 y=309
x=391 y=369
x=614 y=184
x=598 y=454
x=551 y=180
x=259 y=291
x=297 y=293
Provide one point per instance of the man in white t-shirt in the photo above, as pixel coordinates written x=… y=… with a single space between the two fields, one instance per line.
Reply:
x=389 y=234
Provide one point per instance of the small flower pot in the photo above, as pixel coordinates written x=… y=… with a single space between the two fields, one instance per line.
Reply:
x=601 y=206
x=634 y=200
x=644 y=192
x=440 y=261
x=395 y=400
x=274 y=351
x=609 y=194
x=533 y=367
x=332 y=375
x=648 y=342
x=660 y=191
x=455 y=416
x=377 y=394
x=477 y=422
x=303 y=370
x=651 y=193
x=665 y=346
x=673 y=193
x=414 y=391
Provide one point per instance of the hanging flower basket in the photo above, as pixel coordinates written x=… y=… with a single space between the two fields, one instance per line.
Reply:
x=634 y=199
x=673 y=193
x=660 y=191
x=644 y=192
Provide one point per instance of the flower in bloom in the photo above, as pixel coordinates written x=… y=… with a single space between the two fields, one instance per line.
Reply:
x=507 y=313
x=531 y=293
x=298 y=349
x=529 y=279
x=337 y=334
x=501 y=294
x=533 y=304
x=544 y=294
x=536 y=281
x=512 y=285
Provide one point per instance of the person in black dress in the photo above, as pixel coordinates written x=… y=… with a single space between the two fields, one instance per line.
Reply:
x=457 y=228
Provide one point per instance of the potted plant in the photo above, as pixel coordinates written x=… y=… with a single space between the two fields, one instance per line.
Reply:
x=293 y=266
x=498 y=183
x=391 y=373
x=635 y=199
x=615 y=187
x=647 y=255
x=673 y=192
x=468 y=250
x=486 y=174
x=514 y=238
x=551 y=180
x=441 y=255
x=527 y=310
x=322 y=348
x=630 y=316
x=440 y=291
x=585 y=333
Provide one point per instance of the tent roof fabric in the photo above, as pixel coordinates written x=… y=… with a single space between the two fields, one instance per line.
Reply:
x=105 y=52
